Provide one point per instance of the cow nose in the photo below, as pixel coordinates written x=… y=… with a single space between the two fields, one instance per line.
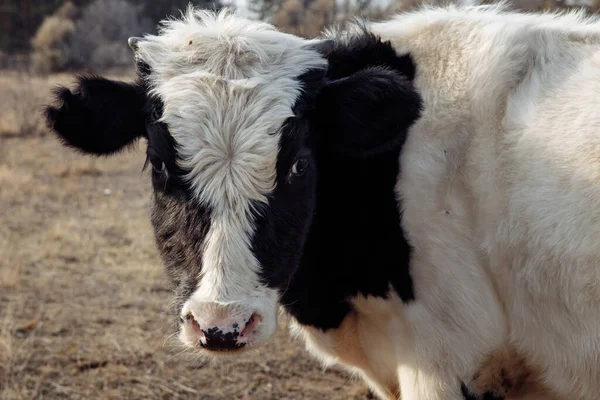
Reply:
x=216 y=339
x=219 y=328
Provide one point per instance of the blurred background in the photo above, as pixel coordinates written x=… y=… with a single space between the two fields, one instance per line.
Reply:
x=82 y=293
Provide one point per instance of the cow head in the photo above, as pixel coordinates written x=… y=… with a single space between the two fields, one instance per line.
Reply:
x=239 y=120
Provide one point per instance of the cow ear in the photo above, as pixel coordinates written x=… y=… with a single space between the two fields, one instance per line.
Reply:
x=367 y=113
x=100 y=116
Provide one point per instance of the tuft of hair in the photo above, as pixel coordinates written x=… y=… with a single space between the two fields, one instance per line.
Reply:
x=224 y=44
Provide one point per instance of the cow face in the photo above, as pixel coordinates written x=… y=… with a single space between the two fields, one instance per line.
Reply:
x=239 y=120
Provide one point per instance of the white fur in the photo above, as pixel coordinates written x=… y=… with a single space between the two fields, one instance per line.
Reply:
x=227 y=85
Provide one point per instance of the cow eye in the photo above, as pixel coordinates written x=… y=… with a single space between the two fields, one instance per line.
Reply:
x=160 y=173
x=158 y=166
x=159 y=169
x=299 y=166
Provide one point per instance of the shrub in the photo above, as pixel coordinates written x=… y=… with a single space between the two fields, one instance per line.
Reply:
x=289 y=16
x=310 y=18
x=21 y=101
x=93 y=38
x=320 y=14
x=100 y=37
x=51 y=49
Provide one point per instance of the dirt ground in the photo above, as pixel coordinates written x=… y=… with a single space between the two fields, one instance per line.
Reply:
x=82 y=293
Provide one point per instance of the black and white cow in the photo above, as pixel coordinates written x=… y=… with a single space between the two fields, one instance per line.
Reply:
x=421 y=195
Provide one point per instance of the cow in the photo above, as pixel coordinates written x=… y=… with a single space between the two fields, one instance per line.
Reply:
x=421 y=194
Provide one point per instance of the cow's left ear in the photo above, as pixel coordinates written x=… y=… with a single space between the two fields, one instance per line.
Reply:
x=366 y=113
x=100 y=116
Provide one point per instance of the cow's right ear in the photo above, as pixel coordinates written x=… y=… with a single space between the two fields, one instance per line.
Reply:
x=100 y=116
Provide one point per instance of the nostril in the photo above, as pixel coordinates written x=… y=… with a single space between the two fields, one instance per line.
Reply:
x=251 y=324
x=189 y=319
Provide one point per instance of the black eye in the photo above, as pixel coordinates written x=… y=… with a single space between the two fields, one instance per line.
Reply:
x=299 y=166
x=158 y=166
x=161 y=176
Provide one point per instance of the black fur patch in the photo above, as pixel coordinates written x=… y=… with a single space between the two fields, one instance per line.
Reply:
x=100 y=116
x=335 y=231
x=363 y=50
x=366 y=113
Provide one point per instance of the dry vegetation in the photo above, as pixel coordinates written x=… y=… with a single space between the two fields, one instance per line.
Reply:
x=82 y=293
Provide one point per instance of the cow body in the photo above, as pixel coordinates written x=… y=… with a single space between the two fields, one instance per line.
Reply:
x=421 y=197
x=500 y=195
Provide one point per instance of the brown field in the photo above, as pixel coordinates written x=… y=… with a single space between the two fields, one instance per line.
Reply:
x=82 y=293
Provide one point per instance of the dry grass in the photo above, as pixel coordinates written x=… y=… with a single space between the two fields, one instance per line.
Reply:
x=21 y=99
x=49 y=50
x=83 y=295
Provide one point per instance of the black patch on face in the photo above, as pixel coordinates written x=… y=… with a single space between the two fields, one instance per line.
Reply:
x=355 y=244
x=334 y=232
x=180 y=227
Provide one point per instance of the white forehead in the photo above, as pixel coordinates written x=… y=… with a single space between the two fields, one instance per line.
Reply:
x=226 y=45
x=227 y=84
